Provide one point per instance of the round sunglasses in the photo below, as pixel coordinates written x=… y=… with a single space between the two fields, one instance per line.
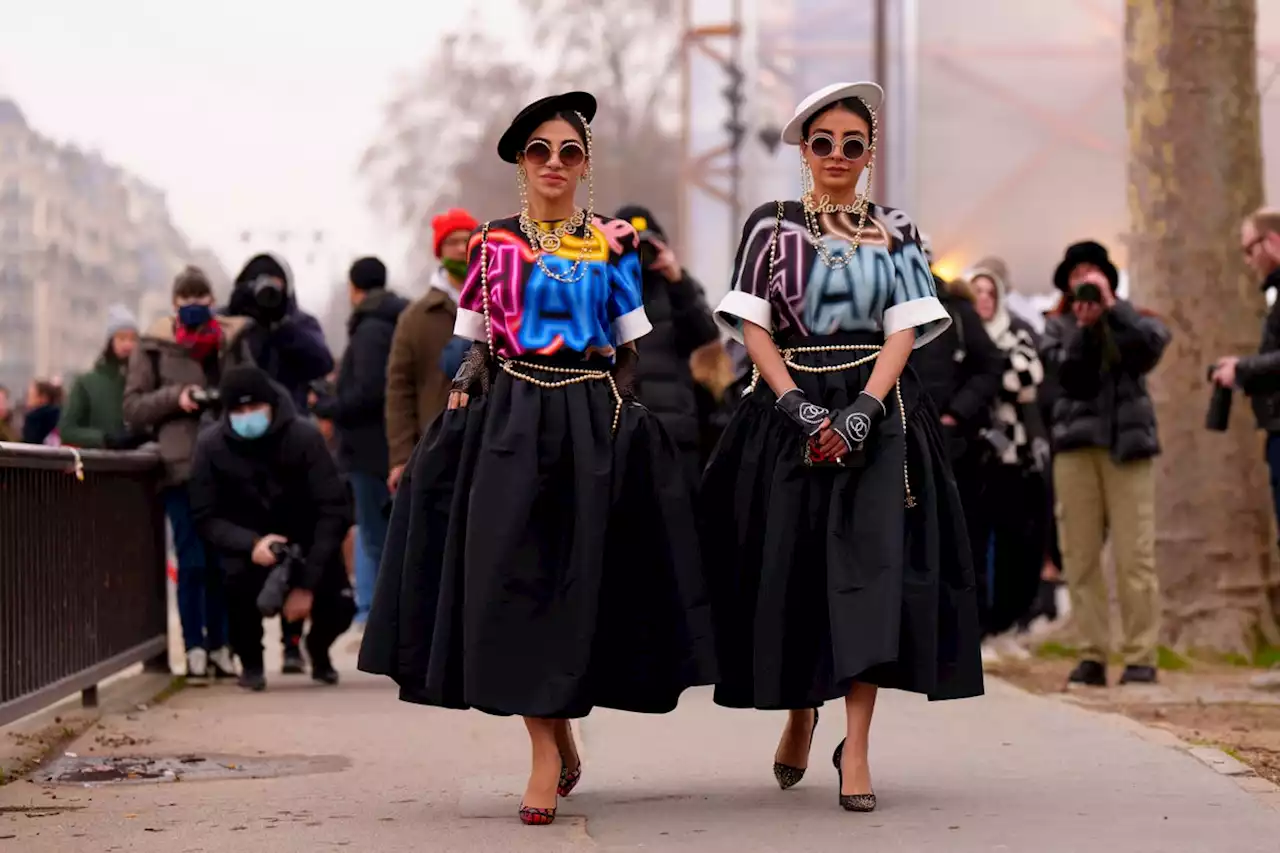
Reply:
x=538 y=153
x=824 y=145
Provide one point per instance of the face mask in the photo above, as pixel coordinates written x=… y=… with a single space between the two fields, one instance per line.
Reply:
x=455 y=268
x=194 y=316
x=251 y=425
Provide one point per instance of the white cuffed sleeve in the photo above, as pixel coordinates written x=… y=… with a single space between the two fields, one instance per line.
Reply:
x=739 y=305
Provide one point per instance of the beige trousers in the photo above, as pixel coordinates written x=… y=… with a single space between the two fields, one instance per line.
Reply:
x=1097 y=497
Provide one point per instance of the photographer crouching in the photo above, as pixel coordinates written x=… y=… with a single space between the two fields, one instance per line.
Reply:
x=266 y=495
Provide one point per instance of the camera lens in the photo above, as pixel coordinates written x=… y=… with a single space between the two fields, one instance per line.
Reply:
x=1088 y=293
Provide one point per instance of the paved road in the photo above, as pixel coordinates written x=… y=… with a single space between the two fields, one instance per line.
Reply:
x=1005 y=772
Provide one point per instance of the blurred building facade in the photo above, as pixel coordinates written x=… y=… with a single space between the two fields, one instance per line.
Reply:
x=77 y=234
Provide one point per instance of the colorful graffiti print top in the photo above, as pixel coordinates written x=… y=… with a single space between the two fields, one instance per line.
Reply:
x=886 y=288
x=534 y=313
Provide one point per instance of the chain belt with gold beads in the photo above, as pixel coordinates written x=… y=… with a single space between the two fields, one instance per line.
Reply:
x=788 y=357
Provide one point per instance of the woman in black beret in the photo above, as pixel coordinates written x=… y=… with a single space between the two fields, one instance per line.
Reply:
x=542 y=558
x=836 y=544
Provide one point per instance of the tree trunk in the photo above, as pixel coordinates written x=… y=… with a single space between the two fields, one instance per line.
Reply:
x=1195 y=171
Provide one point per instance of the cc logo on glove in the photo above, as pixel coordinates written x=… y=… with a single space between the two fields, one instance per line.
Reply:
x=858 y=425
x=811 y=414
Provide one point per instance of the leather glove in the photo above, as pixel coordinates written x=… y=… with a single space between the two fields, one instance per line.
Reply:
x=855 y=421
x=624 y=373
x=474 y=374
x=805 y=415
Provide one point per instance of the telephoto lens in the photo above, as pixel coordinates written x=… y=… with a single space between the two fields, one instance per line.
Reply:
x=268 y=292
x=1218 y=418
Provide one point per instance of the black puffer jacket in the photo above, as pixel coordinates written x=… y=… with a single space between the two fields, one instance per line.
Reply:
x=284 y=482
x=358 y=410
x=1099 y=373
x=961 y=368
x=682 y=323
x=1259 y=375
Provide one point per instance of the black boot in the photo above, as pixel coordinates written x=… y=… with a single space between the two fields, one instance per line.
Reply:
x=321 y=666
x=253 y=679
x=1137 y=674
x=294 y=664
x=1088 y=673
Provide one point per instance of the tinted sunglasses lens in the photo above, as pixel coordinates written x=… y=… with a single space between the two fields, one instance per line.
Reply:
x=822 y=146
x=537 y=153
x=854 y=149
x=572 y=155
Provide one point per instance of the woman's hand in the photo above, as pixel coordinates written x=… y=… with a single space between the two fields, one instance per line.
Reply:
x=473 y=372
x=829 y=443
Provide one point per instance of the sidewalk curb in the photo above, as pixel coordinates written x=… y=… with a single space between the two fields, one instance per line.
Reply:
x=31 y=741
x=1262 y=790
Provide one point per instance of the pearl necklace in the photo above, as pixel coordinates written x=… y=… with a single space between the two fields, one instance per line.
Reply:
x=814 y=226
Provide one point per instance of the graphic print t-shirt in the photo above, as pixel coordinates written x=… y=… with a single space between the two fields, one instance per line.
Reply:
x=886 y=288
x=531 y=312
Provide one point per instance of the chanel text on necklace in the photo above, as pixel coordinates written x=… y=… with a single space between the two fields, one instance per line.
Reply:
x=550 y=240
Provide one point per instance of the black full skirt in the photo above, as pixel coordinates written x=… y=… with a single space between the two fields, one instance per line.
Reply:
x=538 y=565
x=821 y=577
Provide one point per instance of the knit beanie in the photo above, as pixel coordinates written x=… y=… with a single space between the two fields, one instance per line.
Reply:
x=119 y=319
x=455 y=219
x=246 y=385
x=368 y=274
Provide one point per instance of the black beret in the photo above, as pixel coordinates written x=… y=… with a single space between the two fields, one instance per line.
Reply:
x=524 y=124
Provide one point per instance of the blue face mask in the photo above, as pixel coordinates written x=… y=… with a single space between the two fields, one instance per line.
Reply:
x=251 y=425
x=194 y=316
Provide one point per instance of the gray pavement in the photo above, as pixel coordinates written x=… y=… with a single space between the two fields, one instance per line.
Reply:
x=365 y=772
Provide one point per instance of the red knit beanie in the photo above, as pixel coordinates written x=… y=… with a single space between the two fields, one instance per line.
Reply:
x=446 y=223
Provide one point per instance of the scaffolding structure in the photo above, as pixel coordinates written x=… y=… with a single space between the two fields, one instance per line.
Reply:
x=1003 y=130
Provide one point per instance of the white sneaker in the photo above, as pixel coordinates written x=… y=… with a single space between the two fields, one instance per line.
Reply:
x=990 y=655
x=197 y=663
x=223 y=665
x=1009 y=648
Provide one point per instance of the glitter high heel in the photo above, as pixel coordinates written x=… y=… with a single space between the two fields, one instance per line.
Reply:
x=850 y=802
x=787 y=775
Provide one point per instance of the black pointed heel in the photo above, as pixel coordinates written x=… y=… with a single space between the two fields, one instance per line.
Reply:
x=787 y=775
x=850 y=802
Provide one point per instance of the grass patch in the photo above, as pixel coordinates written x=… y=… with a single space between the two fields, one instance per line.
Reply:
x=1056 y=651
x=1170 y=661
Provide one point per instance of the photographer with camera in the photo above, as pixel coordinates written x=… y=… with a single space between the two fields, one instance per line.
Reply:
x=682 y=325
x=289 y=345
x=170 y=388
x=1097 y=350
x=285 y=341
x=1258 y=376
x=266 y=495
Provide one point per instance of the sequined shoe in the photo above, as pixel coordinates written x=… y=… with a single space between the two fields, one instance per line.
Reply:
x=850 y=802
x=787 y=775
x=568 y=779
x=536 y=817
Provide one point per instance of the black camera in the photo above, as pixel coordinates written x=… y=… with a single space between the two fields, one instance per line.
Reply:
x=648 y=254
x=206 y=398
x=279 y=581
x=1088 y=292
x=268 y=292
x=1218 y=418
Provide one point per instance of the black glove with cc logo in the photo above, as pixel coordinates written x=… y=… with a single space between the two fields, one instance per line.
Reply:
x=809 y=417
x=855 y=422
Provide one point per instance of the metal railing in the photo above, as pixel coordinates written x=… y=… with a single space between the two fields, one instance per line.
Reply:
x=82 y=572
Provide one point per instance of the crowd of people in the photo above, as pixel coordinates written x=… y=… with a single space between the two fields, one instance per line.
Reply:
x=560 y=480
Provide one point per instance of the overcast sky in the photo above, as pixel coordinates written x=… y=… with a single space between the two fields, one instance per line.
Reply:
x=250 y=114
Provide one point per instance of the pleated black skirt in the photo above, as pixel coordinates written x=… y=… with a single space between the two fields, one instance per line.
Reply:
x=822 y=577
x=539 y=565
